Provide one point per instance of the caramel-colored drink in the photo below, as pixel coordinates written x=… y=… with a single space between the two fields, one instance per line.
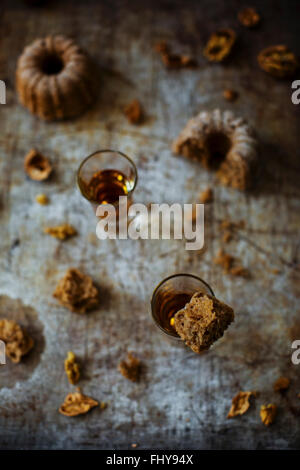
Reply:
x=106 y=186
x=167 y=304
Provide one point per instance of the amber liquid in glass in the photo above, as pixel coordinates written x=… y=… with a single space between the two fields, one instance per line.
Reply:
x=167 y=304
x=106 y=186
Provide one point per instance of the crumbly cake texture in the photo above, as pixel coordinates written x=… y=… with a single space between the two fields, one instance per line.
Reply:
x=221 y=142
x=55 y=78
x=77 y=292
x=18 y=342
x=202 y=321
x=130 y=368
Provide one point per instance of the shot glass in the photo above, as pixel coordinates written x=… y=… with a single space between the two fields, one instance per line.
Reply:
x=171 y=295
x=105 y=175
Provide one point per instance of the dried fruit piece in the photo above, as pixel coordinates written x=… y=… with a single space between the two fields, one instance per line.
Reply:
x=240 y=404
x=248 y=17
x=130 y=368
x=202 y=321
x=278 y=61
x=77 y=404
x=206 y=196
x=281 y=384
x=219 y=45
x=37 y=166
x=77 y=292
x=268 y=413
x=61 y=231
x=134 y=112
x=72 y=368
x=18 y=342
x=42 y=199
x=230 y=95
x=171 y=60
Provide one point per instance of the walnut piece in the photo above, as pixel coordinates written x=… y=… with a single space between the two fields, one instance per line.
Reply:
x=42 y=199
x=281 y=384
x=72 y=368
x=248 y=17
x=206 y=196
x=219 y=45
x=202 y=321
x=278 y=61
x=130 y=368
x=37 y=166
x=268 y=413
x=61 y=231
x=134 y=112
x=18 y=342
x=240 y=404
x=77 y=404
x=77 y=292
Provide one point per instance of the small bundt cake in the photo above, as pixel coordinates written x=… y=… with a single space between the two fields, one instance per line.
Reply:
x=221 y=142
x=55 y=78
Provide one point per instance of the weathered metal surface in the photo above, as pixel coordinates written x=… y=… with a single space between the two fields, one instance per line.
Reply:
x=182 y=400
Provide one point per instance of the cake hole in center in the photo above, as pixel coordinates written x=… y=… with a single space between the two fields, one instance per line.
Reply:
x=217 y=145
x=52 y=64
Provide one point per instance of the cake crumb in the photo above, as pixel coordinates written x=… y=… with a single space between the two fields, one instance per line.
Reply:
x=240 y=403
x=206 y=196
x=268 y=413
x=134 y=113
x=281 y=384
x=248 y=17
x=230 y=95
x=171 y=60
x=17 y=341
x=62 y=232
x=134 y=445
x=130 y=368
x=42 y=199
x=72 y=368
x=77 y=404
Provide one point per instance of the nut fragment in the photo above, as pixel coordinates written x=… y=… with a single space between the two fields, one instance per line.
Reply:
x=268 y=413
x=278 y=61
x=77 y=292
x=61 y=231
x=248 y=17
x=230 y=95
x=134 y=112
x=37 y=166
x=240 y=404
x=18 y=342
x=130 y=368
x=77 y=404
x=171 y=60
x=72 y=368
x=219 y=45
x=281 y=384
x=42 y=199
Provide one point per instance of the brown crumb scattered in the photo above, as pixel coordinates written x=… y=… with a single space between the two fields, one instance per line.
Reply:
x=171 y=60
x=275 y=271
x=62 y=232
x=227 y=236
x=230 y=95
x=219 y=45
x=77 y=292
x=268 y=413
x=18 y=342
x=77 y=404
x=37 y=166
x=239 y=271
x=202 y=321
x=281 y=384
x=134 y=112
x=130 y=368
x=278 y=61
x=206 y=196
x=103 y=405
x=42 y=199
x=134 y=445
x=298 y=395
x=224 y=260
x=248 y=17
x=72 y=368
x=240 y=404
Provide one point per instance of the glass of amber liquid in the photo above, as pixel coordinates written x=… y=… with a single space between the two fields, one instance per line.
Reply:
x=105 y=175
x=171 y=295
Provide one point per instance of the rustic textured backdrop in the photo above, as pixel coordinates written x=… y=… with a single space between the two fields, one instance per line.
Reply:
x=182 y=400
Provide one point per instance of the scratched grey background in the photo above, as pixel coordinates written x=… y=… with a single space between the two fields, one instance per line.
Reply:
x=182 y=400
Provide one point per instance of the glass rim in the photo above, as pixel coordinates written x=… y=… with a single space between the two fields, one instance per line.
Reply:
x=107 y=151
x=172 y=276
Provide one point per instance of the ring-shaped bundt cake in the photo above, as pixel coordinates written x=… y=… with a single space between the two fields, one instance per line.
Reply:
x=221 y=142
x=55 y=78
